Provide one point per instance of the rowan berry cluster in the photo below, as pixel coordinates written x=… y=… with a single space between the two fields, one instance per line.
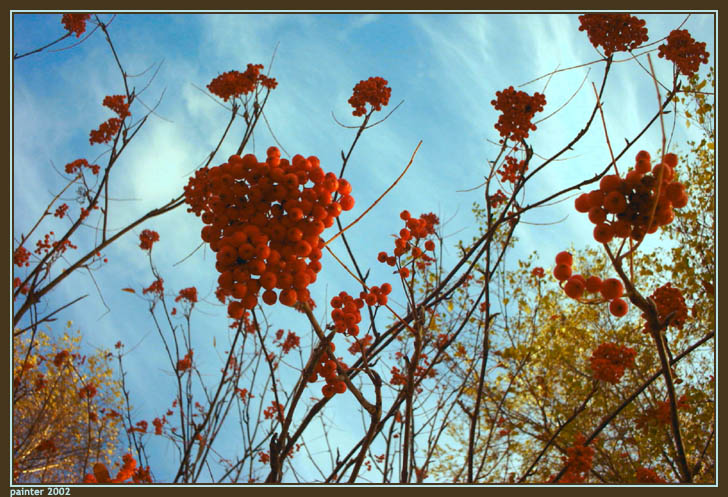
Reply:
x=188 y=294
x=21 y=257
x=346 y=313
x=59 y=247
x=128 y=470
x=661 y=413
x=647 y=475
x=517 y=109
x=61 y=211
x=637 y=204
x=376 y=295
x=609 y=361
x=669 y=299
x=147 y=238
x=578 y=461
x=373 y=91
x=111 y=127
x=614 y=32
x=575 y=285
x=234 y=83
x=416 y=230
x=512 y=169
x=326 y=369
x=157 y=287
x=75 y=23
x=186 y=362
x=88 y=391
x=77 y=165
x=684 y=51
x=264 y=223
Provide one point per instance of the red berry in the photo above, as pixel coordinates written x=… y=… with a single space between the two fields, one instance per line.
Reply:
x=574 y=287
x=618 y=307
x=593 y=284
x=603 y=233
x=582 y=203
x=562 y=272
x=564 y=258
x=612 y=289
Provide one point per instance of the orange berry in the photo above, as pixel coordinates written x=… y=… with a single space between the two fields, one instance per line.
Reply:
x=597 y=215
x=288 y=297
x=643 y=155
x=405 y=215
x=609 y=183
x=347 y=202
x=615 y=203
x=270 y=298
x=670 y=159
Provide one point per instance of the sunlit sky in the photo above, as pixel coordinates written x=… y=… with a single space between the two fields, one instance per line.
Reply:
x=444 y=68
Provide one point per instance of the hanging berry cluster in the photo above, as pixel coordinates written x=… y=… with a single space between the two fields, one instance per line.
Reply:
x=576 y=285
x=669 y=300
x=638 y=204
x=518 y=108
x=416 y=230
x=614 y=32
x=264 y=224
x=234 y=83
x=75 y=23
x=609 y=361
x=684 y=51
x=326 y=369
x=345 y=314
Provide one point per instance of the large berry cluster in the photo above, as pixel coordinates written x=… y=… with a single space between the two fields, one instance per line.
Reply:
x=108 y=129
x=609 y=361
x=630 y=201
x=517 y=108
x=512 y=169
x=264 y=223
x=614 y=32
x=684 y=51
x=575 y=285
x=326 y=368
x=373 y=91
x=669 y=299
x=235 y=83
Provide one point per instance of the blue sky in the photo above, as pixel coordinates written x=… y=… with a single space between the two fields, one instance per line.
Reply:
x=446 y=68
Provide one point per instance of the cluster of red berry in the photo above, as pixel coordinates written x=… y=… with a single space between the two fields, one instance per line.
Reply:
x=639 y=203
x=346 y=314
x=373 y=91
x=326 y=369
x=109 y=128
x=77 y=165
x=518 y=108
x=512 y=169
x=614 y=32
x=75 y=23
x=147 y=239
x=264 y=224
x=610 y=289
x=609 y=361
x=668 y=300
x=415 y=231
x=235 y=83
x=647 y=475
x=578 y=461
x=684 y=51
x=376 y=295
